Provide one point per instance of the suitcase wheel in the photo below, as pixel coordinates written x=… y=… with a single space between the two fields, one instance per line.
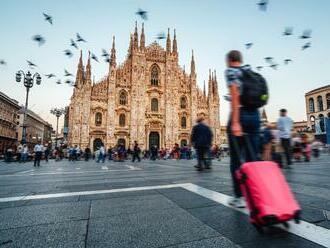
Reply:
x=297 y=217
x=286 y=225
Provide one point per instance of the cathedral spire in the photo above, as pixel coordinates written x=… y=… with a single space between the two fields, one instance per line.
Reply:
x=113 y=53
x=142 y=39
x=80 y=71
x=175 y=45
x=130 y=49
x=192 y=64
x=136 y=38
x=168 y=42
x=88 y=68
x=209 y=88
x=204 y=90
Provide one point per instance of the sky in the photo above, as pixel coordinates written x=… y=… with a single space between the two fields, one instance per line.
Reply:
x=210 y=27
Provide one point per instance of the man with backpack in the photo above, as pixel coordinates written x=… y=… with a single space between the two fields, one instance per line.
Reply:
x=248 y=92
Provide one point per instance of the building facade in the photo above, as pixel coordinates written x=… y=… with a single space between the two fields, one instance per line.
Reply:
x=9 y=119
x=318 y=108
x=148 y=98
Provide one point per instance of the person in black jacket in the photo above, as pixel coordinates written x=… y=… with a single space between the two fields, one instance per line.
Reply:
x=201 y=139
x=136 y=152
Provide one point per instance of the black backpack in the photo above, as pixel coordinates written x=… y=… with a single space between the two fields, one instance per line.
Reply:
x=254 y=90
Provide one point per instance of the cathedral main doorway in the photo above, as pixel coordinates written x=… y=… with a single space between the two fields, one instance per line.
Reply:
x=97 y=143
x=154 y=139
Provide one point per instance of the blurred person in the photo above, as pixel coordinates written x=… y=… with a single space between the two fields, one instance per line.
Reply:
x=267 y=142
x=248 y=92
x=201 y=139
x=284 y=125
x=136 y=152
x=87 y=153
x=38 y=150
x=25 y=153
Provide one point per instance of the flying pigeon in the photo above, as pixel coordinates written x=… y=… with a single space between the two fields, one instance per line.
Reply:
x=306 y=34
x=288 y=31
x=274 y=66
x=94 y=57
x=68 y=53
x=248 y=45
x=307 y=45
x=58 y=81
x=287 y=61
x=48 y=18
x=79 y=38
x=105 y=53
x=50 y=75
x=2 y=62
x=67 y=74
x=161 y=36
x=38 y=38
x=263 y=5
x=142 y=13
x=259 y=68
x=269 y=59
x=73 y=43
x=30 y=64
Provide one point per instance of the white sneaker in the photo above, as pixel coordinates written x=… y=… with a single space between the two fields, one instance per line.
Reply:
x=237 y=202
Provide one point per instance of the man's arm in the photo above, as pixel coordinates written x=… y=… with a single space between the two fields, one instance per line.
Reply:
x=235 y=112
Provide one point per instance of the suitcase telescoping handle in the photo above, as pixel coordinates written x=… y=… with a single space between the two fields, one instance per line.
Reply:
x=247 y=143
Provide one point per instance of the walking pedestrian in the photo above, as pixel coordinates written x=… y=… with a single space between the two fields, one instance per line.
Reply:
x=136 y=152
x=101 y=156
x=284 y=125
x=201 y=139
x=248 y=92
x=87 y=153
x=25 y=153
x=38 y=149
x=47 y=152
x=267 y=139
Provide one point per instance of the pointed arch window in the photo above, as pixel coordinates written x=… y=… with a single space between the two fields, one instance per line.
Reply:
x=122 y=120
x=154 y=76
x=311 y=105
x=183 y=102
x=123 y=98
x=320 y=103
x=154 y=105
x=98 y=119
x=328 y=100
x=183 y=122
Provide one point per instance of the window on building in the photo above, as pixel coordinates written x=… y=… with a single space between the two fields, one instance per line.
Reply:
x=320 y=103
x=98 y=119
x=183 y=102
x=328 y=100
x=311 y=105
x=154 y=105
x=154 y=77
x=123 y=98
x=122 y=120
x=183 y=122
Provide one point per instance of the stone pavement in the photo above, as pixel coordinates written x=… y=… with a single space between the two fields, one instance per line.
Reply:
x=148 y=204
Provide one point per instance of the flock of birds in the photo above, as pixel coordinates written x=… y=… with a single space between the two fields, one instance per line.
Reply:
x=306 y=35
x=143 y=14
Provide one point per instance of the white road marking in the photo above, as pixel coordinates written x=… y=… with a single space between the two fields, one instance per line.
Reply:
x=305 y=230
x=59 y=169
x=23 y=172
x=77 y=168
x=131 y=167
x=105 y=168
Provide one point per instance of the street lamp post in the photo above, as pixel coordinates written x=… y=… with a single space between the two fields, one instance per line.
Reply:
x=28 y=80
x=57 y=112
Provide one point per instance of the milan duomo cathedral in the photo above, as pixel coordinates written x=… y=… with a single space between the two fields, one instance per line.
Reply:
x=149 y=99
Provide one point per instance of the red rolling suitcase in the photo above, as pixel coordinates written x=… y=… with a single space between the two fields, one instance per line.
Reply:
x=267 y=194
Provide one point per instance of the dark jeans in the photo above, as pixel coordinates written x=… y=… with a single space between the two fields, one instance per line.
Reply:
x=250 y=123
x=203 y=156
x=37 y=158
x=286 y=144
x=136 y=156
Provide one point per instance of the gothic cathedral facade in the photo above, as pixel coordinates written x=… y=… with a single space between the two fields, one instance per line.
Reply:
x=149 y=99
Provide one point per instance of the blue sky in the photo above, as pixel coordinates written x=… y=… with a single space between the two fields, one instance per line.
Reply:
x=210 y=27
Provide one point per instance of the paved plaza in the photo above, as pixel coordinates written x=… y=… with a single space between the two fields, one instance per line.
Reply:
x=148 y=204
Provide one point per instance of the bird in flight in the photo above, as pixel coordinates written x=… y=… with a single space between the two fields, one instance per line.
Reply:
x=263 y=5
x=38 y=38
x=79 y=38
x=248 y=45
x=93 y=56
x=288 y=31
x=161 y=36
x=2 y=62
x=306 y=34
x=58 y=81
x=68 y=53
x=287 y=61
x=274 y=66
x=68 y=81
x=307 y=45
x=142 y=13
x=73 y=43
x=269 y=59
x=48 y=18
x=67 y=74
x=50 y=75
x=30 y=64
x=259 y=68
x=105 y=53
